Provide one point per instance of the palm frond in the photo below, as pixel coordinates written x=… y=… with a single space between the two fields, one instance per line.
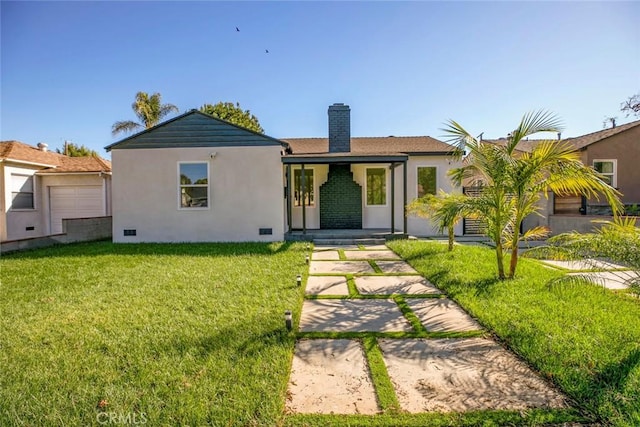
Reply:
x=574 y=282
x=532 y=123
x=124 y=126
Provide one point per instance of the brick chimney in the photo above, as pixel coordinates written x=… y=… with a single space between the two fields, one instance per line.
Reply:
x=339 y=128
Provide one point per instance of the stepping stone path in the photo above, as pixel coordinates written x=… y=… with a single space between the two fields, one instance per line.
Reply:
x=602 y=273
x=346 y=293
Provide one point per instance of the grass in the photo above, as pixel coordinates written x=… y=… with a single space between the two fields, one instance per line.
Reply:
x=586 y=340
x=175 y=334
x=193 y=334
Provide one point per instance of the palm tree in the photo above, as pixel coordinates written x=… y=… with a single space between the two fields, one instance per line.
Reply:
x=444 y=209
x=148 y=109
x=517 y=180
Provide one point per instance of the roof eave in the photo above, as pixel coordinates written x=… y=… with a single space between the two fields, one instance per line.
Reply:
x=25 y=162
x=311 y=159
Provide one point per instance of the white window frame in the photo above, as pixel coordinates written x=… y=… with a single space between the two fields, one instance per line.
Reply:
x=366 y=187
x=180 y=185
x=32 y=177
x=314 y=204
x=614 y=174
x=418 y=176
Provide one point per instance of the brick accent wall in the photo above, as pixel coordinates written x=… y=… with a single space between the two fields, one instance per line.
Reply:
x=340 y=200
x=339 y=128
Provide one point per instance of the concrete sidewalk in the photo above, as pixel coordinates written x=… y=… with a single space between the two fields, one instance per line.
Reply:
x=331 y=376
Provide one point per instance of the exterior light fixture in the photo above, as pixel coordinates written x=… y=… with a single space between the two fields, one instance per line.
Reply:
x=306 y=259
x=288 y=321
x=299 y=280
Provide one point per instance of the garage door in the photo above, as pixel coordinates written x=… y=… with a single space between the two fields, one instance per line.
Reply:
x=74 y=202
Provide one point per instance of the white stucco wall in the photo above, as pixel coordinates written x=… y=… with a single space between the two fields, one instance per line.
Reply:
x=245 y=194
x=14 y=223
x=17 y=221
x=419 y=226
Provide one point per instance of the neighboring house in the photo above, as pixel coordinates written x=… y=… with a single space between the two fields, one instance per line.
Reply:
x=198 y=178
x=40 y=188
x=614 y=152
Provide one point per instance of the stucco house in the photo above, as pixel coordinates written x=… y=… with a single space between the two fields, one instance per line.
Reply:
x=39 y=188
x=614 y=152
x=198 y=178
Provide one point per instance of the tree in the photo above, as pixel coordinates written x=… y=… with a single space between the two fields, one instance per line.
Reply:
x=73 y=150
x=444 y=208
x=231 y=113
x=515 y=181
x=631 y=106
x=149 y=110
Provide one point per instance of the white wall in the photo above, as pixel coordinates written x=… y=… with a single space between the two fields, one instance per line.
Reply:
x=246 y=194
x=419 y=226
x=17 y=221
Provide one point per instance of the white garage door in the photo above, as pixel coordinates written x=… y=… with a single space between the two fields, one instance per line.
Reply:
x=74 y=202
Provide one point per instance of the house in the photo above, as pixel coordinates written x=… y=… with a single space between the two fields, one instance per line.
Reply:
x=357 y=182
x=615 y=153
x=199 y=178
x=195 y=178
x=40 y=188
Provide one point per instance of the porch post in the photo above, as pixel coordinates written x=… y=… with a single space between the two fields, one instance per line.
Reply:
x=393 y=197
x=303 y=184
x=288 y=196
x=404 y=198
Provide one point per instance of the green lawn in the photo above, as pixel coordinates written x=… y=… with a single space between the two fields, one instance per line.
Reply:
x=172 y=334
x=586 y=340
x=193 y=334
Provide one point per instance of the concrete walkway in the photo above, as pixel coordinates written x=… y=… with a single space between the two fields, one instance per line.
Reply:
x=358 y=290
x=606 y=274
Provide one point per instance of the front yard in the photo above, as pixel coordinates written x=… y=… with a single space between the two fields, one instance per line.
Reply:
x=193 y=334
x=167 y=334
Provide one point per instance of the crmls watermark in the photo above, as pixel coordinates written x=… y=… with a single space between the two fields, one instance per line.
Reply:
x=134 y=418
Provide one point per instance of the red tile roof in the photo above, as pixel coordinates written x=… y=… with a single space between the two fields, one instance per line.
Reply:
x=53 y=162
x=373 y=145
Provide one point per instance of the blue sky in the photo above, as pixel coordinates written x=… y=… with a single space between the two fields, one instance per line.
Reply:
x=71 y=69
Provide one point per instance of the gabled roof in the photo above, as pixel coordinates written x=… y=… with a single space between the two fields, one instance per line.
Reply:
x=50 y=161
x=579 y=142
x=195 y=129
x=374 y=145
x=583 y=141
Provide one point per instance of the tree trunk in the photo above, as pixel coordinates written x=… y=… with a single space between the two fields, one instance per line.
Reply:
x=500 y=257
x=450 y=238
x=514 y=261
x=513 y=264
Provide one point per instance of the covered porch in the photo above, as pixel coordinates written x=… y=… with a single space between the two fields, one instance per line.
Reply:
x=334 y=204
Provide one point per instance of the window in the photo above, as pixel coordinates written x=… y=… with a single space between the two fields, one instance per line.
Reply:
x=376 y=186
x=426 y=181
x=194 y=185
x=607 y=168
x=22 y=191
x=308 y=187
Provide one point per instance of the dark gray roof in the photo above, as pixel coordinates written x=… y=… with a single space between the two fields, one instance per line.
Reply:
x=195 y=129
